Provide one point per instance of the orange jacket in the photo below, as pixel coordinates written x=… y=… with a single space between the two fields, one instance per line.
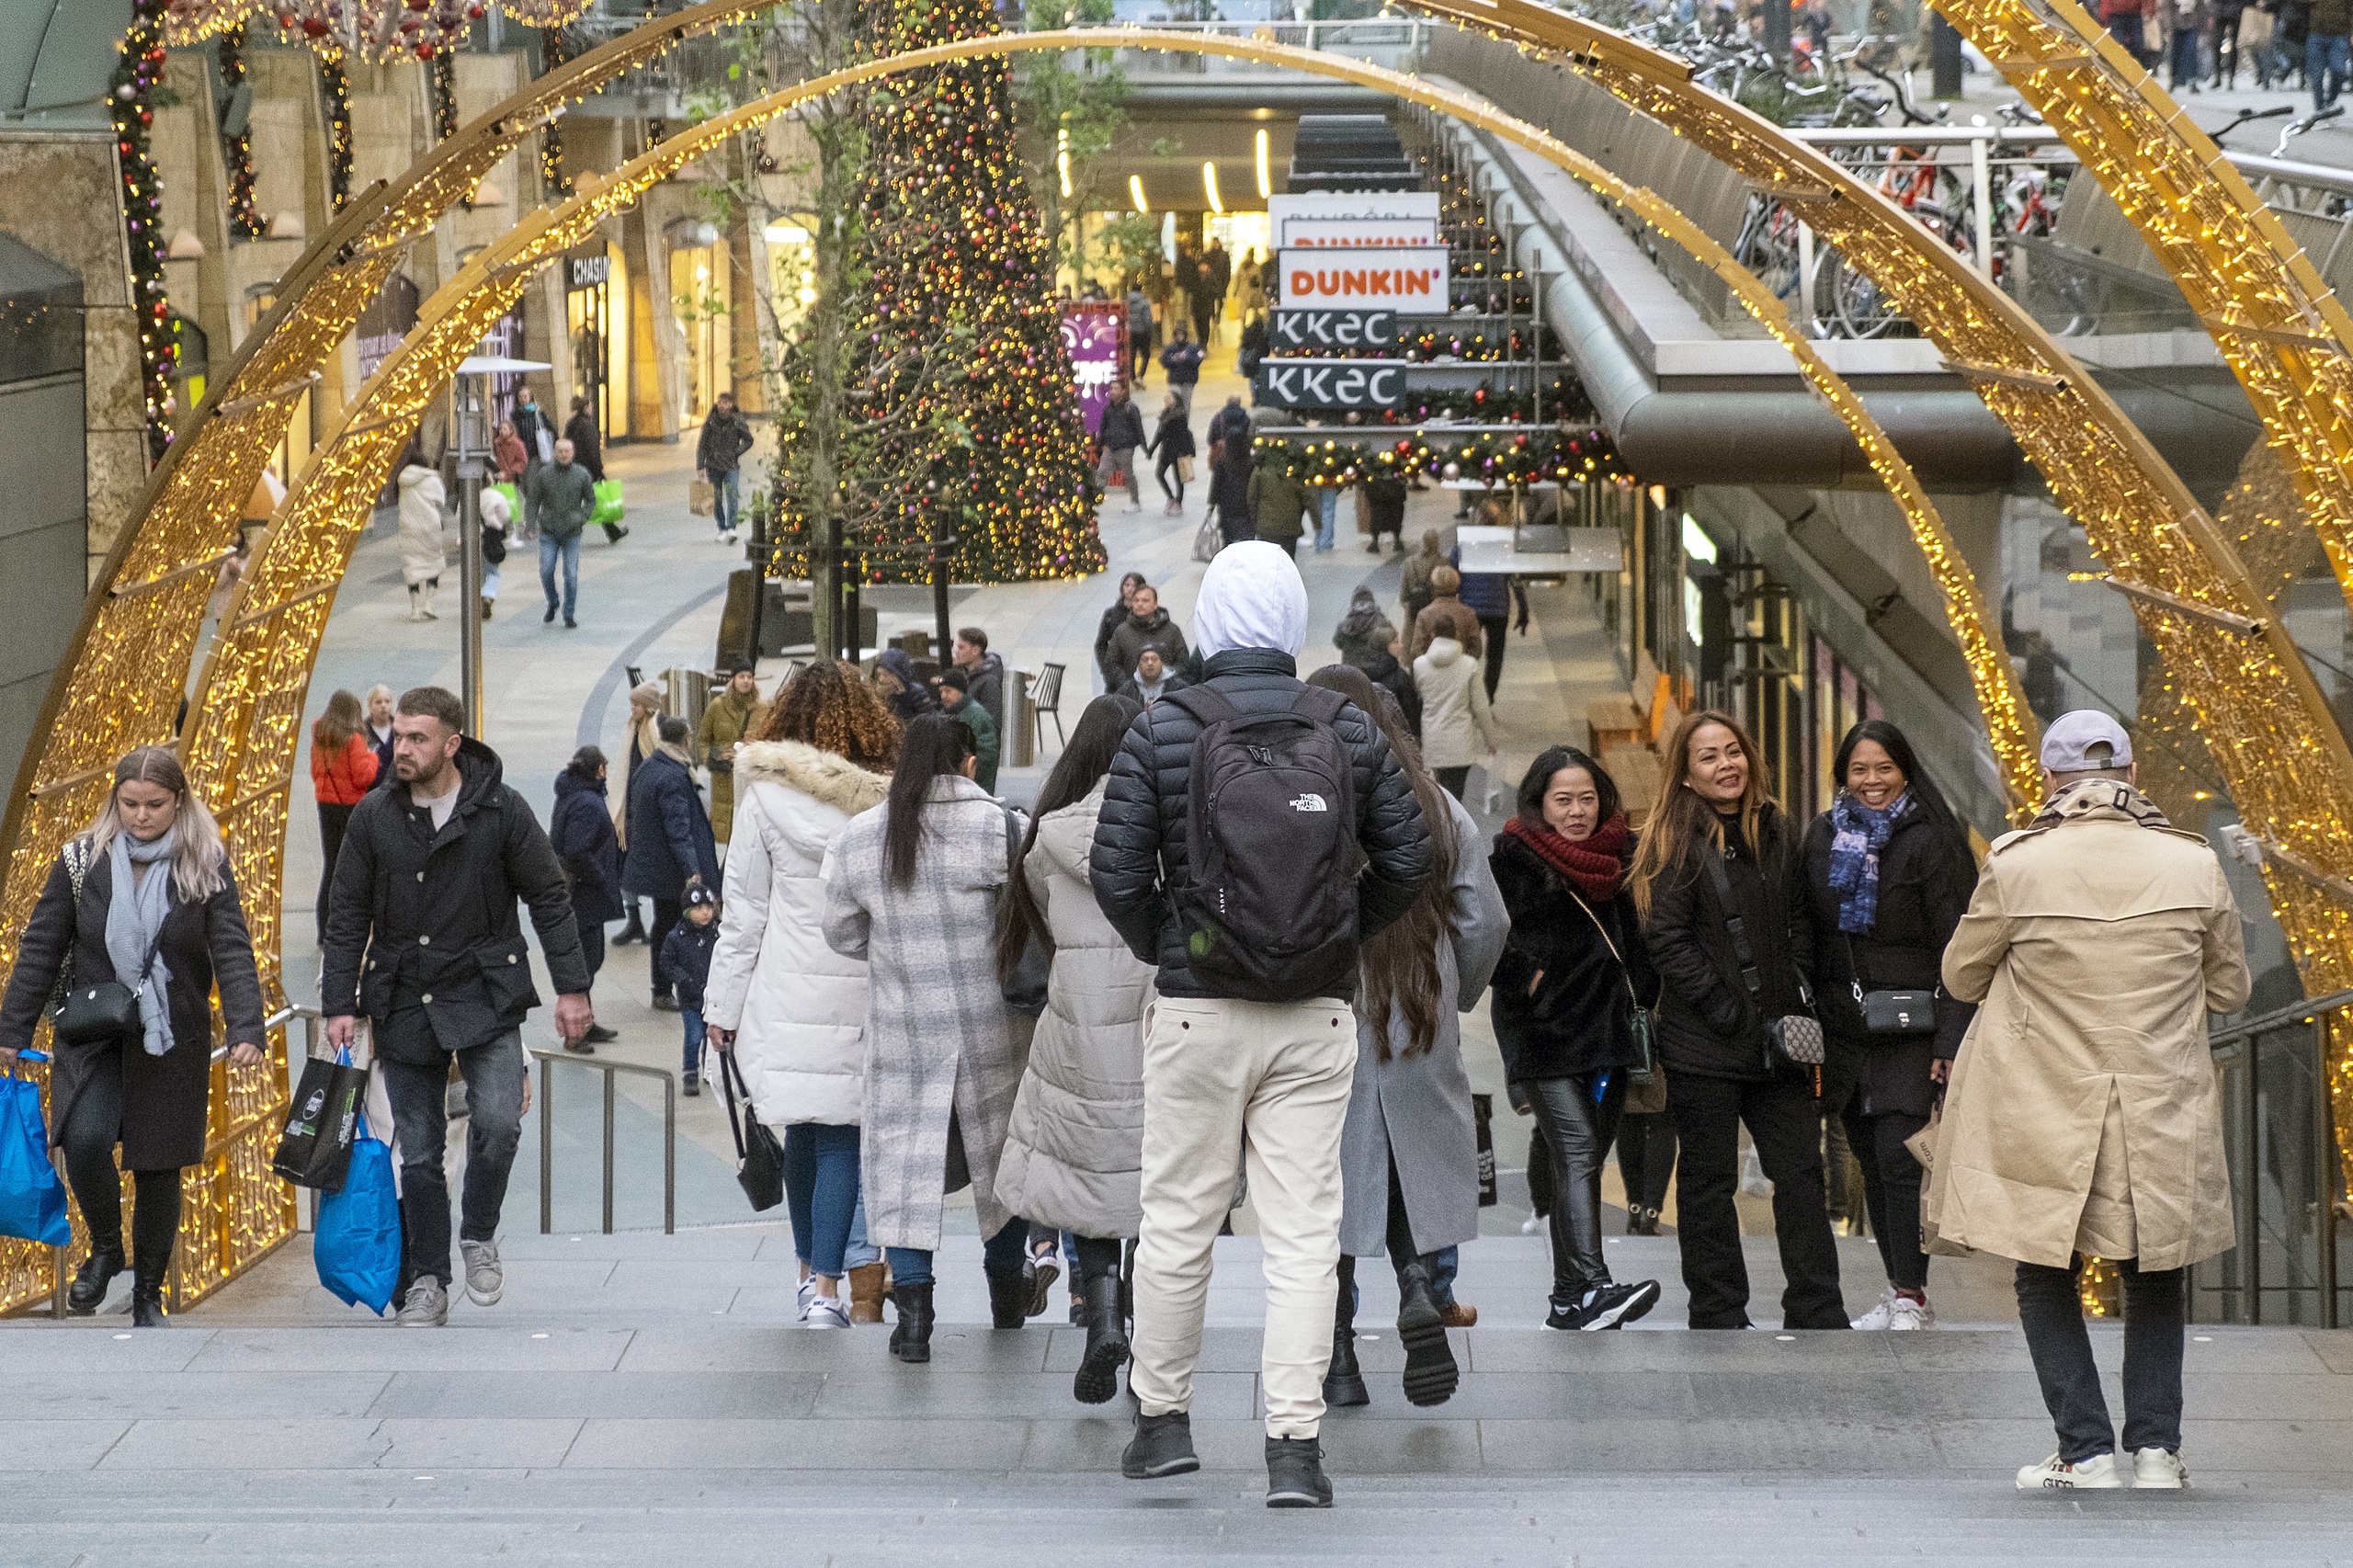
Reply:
x=344 y=779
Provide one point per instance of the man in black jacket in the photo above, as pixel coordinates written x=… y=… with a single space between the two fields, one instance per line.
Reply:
x=726 y=437
x=1121 y=434
x=423 y=939
x=1217 y=1069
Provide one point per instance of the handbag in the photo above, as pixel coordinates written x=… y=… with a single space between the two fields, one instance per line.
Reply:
x=1890 y=1012
x=1208 y=540
x=493 y=546
x=1184 y=469
x=1797 y=1036
x=32 y=1201
x=109 y=1011
x=1644 y=1028
x=759 y=1160
x=1025 y=988
x=1483 y=1119
x=701 y=497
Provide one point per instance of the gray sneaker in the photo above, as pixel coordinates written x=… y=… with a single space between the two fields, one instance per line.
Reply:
x=428 y=1305
x=484 y=1278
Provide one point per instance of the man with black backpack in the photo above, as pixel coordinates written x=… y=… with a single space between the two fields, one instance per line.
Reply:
x=1254 y=831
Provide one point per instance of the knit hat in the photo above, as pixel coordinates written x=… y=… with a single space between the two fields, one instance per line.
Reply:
x=954 y=677
x=699 y=893
x=647 y=695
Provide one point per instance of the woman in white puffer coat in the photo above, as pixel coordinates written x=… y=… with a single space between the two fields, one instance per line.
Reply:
x=423 y=556
x=1074 y=1152
x=792 y=1009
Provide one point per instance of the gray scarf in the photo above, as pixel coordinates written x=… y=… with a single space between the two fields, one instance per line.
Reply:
x=135 y=912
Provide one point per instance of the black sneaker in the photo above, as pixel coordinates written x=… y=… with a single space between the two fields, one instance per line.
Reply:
x=1606 y=1306
x=693 y=1086
x=1295 y=1475
x=599 y=1035
x=548 y=616
x=1163 y=1446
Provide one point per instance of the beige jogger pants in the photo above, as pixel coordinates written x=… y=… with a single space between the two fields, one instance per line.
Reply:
x=1216 y=1072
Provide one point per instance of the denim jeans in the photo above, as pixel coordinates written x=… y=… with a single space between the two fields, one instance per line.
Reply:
x=550 y=550
x=494 y=1071
x=861 y=1251
x=1327 y=516
x=726 y=502
x=695 y=1035
x=2052 y=1314
x=821 y=1187
x=1000 y=1254
x=2328 y=61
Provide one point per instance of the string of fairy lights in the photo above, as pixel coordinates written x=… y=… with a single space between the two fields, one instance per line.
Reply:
x=237 y=149
x=130 y=96
x=335 y=82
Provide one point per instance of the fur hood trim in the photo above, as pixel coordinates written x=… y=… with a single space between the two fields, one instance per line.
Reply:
x=823 y=776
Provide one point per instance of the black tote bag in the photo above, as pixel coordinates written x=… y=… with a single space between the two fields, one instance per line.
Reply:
x=315 y=1150
x=759 y=1159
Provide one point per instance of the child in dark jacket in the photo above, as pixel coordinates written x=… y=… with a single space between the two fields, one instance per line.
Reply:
x=686 y=954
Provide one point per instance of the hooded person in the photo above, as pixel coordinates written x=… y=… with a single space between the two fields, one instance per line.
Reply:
x=1248 y=1056
x=727 y=720
x=902 y=688
x=1363 y=629
x=424 y=557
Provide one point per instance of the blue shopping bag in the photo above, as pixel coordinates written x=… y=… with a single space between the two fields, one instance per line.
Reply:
x=32 y=1201
x=357 y=1244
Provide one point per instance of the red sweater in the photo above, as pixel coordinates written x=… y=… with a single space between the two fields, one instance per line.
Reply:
x=344 y=779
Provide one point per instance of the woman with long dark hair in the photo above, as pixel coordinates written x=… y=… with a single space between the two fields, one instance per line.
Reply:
x=1888 y=875
x=1409 y=1150
x=1564 y=1002
x=792 y=1009
x=343 y=770
x=1074 y=1152
x=911 y=887
x=144 y=896
x=1713 y=882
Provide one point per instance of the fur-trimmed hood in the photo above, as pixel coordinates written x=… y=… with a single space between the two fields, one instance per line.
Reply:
x=823 y=776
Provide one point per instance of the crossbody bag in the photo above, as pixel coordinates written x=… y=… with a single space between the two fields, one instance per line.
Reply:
x=1890 y=1012
x=1797 y=1036
x=1644 y=1028
x=109 y=1011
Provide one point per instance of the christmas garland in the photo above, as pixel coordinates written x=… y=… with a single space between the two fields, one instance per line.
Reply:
x=1576 y=456
x=441 y=68
x=555 y=51
x=244 y=218
x=337 y=84
x=138 y=71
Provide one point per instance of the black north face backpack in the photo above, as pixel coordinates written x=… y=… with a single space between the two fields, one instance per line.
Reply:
x=1270 y=911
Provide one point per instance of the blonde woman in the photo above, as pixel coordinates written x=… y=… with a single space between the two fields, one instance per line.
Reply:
x=644 y=738
x=144 y=897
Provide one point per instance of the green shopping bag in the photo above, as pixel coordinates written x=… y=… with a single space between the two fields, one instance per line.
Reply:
x=513 y=501
x=609 y=509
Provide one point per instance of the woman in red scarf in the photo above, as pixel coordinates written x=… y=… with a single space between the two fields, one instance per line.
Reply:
x=1564 y=1001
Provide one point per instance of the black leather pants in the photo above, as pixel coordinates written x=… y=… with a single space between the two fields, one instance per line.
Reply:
x=1577 y=1131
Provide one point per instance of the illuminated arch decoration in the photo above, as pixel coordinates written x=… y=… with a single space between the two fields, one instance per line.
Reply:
x=2027 y=379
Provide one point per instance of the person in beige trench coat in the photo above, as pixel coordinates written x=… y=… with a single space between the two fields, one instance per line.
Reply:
x=2083 y=1118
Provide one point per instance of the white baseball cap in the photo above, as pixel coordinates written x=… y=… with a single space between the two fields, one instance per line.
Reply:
x=2067 y=743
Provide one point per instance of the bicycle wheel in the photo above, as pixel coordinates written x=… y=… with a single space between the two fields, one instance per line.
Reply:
x=1858 y=307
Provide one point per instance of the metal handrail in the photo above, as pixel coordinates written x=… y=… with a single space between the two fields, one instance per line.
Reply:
x=547 y=1135
x=2300 y=1012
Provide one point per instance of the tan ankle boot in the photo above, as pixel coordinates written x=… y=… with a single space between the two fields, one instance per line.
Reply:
x=866 y=1293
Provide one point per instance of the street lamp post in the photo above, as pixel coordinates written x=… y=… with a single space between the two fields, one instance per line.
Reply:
x=474 y=467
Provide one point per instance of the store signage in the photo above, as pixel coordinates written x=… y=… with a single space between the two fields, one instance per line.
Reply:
x=1094 y=335
x=1402 y=280
x=1330 y=383
x=587 y=271
x=1333 y=329
x=1357 y=219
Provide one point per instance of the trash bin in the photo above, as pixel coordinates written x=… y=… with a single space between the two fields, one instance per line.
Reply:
x=686 y=693
x=1020 y=738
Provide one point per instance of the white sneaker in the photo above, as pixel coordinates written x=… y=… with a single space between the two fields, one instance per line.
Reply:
x=2159 y=1469
x=1907 y=1311
x=2098 y=1473
x=808 y=1295
x=827 y=1312
x=1881 y=1315
x=1533 y=1224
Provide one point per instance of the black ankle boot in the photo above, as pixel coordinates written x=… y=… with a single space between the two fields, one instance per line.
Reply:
x=88 y=1292
x=1106 y=1343
x=1009 y=1300
x=911 y=1336
x=1344 y=1383
x=1431 y=1375
x=147 y=1292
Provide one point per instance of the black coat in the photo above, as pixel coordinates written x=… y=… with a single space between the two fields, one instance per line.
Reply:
x=1173 y=437
x=165 y=1099
x=1122 y=425
x=1113 y=619
x=725 y=438
x=686 y=959
x=1706 y=1024
x=1140 y=835
x=383 y=750
x=1380 y=666
x=1230 y=494
x=669 y=832
x=1924 y=884
x=422 y=933
x=588 y=443
x=581 y=831
x=1579 y=1015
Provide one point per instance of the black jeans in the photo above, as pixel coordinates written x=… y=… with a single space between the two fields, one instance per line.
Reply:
x=1172 y=484
x=1646 y=1158
x=1785 y=1119
x=1891 y=1188
x=1493 y=627
x=92 y=1130
x=2053 y=1317
x=1576 y=1132
x=333 y=820
x=665 y=914
x=592 y=947
x=420 y=1095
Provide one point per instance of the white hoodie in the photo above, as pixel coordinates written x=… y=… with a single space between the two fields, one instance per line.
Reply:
x=1454 y=706
x=1251 y=598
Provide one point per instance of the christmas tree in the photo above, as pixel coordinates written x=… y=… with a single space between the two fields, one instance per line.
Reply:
x=960 y=417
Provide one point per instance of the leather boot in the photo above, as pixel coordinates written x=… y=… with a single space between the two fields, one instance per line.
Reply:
x=147 y=1290
x=911 y=1337
x=1344 y=1381
x=1009 y=1300
x=1106 y=1343
x=866 y=1292
x=632 y=932
x=88 y=1290
x=1431 y=1373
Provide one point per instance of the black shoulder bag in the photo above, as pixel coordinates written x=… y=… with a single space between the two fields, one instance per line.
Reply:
x=1890 y=1012
x=759 y=1159
x=1797 y=1036
x=109 y=1011
x=1025 y=989
x=1643 y=1028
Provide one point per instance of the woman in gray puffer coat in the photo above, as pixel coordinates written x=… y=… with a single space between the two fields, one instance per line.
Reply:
x=1074 y=1153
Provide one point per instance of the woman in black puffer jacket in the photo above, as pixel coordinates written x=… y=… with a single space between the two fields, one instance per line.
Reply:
x=1722 y=1072
x=1888 y=874
x=1571 y=975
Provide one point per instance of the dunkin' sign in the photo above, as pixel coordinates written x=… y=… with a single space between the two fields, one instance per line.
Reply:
x=1406 y=280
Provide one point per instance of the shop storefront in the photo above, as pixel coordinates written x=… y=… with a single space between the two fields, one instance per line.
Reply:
x=702 y=298
x=596 y=310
